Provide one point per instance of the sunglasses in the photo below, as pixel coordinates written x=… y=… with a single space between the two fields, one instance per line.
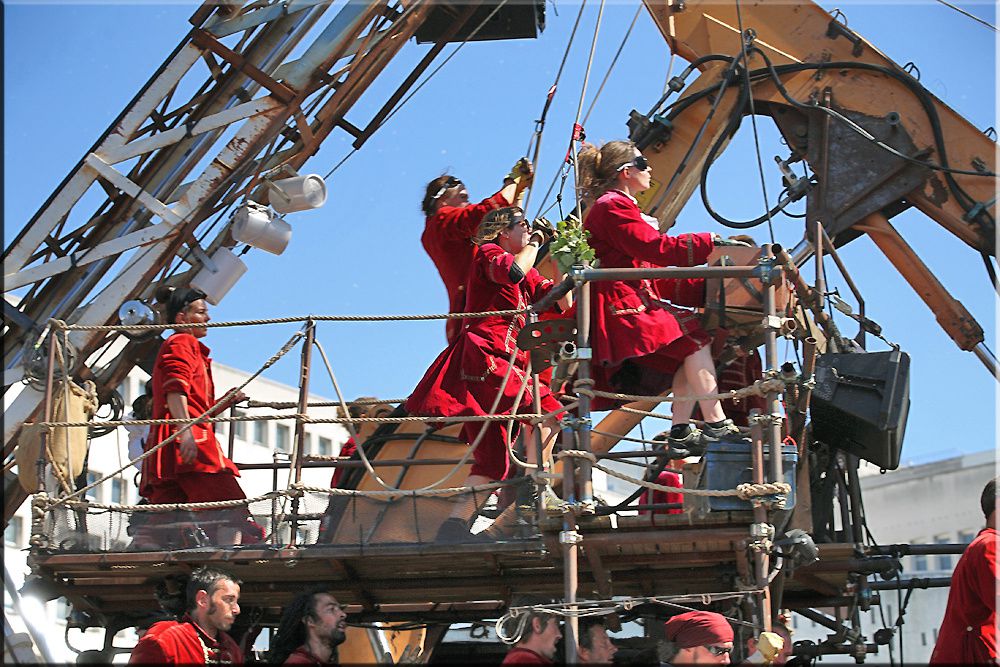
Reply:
x=518 y=220
x=640 y=163
x=452 y=182
x=719 y=650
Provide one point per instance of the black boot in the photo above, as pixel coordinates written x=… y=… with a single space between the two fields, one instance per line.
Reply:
x=456 y=531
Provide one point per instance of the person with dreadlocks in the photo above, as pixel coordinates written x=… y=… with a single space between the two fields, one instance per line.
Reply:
x=451 y=222
x=192 y=468
x=641 y=343
x=467 y=377
x=311 y=629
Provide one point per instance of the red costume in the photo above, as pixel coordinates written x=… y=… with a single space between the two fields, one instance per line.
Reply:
x=524 y=656
x=639 y=340
x=465 y=378
x=447 y=238
x=968 y=632
x=184 y=367
x=665 y=478
x=302 y=656
x=184 y=643
x=338 y=473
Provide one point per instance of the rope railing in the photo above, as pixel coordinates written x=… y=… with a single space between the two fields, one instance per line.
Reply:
x=742 y=491
x=64 y=326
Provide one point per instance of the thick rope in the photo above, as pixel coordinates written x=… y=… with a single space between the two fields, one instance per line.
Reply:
x=758 y=388
x=60 y=324
x=293 y=491
x=742 y=491
x=202 y=418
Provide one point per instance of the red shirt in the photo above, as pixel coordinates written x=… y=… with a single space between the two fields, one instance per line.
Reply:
x=182 y=366
x=968 y=632
x=447 y=238
x=302 y=656
x=629 y=318
x=525 y=656
x=184 y=643
x=464 y=379
x=338 y=473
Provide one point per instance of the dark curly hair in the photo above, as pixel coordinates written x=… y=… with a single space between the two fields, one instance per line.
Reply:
x=291 y=632
x=433 y=192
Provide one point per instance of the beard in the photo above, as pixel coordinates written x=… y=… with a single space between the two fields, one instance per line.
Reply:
x=337 y=637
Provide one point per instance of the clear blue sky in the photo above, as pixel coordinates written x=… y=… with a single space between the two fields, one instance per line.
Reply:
x=71 y=67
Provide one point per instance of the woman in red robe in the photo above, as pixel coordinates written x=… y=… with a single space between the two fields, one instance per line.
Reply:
x=643 y=344
x=466 y=378
x=448 y=230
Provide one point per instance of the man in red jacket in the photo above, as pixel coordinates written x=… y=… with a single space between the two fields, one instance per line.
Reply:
x=450 y=225
x=199 y=638
x=537 y=645
x=192 y=468
x=968 y=634
x=312 y=626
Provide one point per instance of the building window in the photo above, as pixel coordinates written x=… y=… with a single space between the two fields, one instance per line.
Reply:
x=93 y=494
x=282 y=437
x=125 y=389
x=923 y=639
x=12 y=533
x=919 y=561
x=220 y=429
x=307 y=443
x=240 y=428
x=943 y=560
x=325 y=446
x=118 y=491
x=260 y=433
x=966 y=536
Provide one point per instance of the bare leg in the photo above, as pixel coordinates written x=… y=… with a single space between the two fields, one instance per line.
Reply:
x=700 y=371
x=681 y=410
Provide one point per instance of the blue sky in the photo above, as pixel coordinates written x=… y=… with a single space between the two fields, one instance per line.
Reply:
x=71 y=68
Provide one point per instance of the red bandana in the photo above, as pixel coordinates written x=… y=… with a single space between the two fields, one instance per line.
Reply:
x=698 y=628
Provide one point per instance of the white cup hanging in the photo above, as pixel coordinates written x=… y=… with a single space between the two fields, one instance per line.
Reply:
x=255 y=225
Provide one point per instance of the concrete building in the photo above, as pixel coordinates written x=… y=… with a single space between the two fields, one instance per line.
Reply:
x=931 y=503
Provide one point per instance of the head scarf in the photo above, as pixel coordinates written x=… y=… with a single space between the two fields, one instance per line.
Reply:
x=698 y=628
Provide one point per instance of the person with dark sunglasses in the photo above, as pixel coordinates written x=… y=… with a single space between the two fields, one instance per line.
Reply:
x=483 y=371
x=642 y=343
x=697 y=638
x=450 y=225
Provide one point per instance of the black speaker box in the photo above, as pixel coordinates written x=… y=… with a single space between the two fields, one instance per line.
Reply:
x=516 y=19
x=860 y=404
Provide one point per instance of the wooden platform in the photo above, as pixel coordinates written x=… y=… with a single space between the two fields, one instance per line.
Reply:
x=643 y=556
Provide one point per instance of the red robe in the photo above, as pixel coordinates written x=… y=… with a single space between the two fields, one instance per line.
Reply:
x=184 y=643
x=447 y=238
x=968 y=632
x=524 y=656
x=465 y=378
x=629 y=319
x=182 y=366
x=338 y=473
x=302 y=656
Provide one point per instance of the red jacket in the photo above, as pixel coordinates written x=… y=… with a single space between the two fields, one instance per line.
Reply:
x=447 y=238
x=184 y=643
x=628 y=317
x=182 y=366
x=524 y=656
x=302 y=656
x=968 y=632
x=338 y=473
x=464 y=379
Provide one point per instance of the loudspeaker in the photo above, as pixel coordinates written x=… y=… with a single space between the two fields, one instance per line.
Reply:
x=860 y=404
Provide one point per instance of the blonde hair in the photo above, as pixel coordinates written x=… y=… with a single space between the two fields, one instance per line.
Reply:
x=598 y=167
x=495 y=222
